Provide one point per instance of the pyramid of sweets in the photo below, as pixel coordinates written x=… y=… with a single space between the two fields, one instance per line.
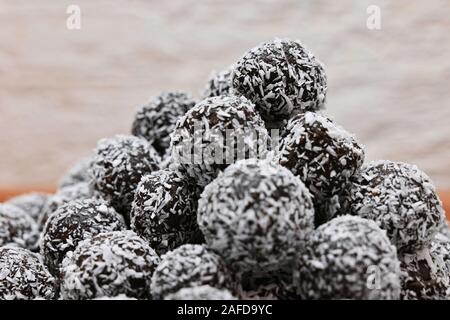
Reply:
x=250 y=192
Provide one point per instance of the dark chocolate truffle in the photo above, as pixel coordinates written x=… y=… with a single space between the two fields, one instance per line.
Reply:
x=109 y=264
x=23 y=276
x=218 y=131
x=32 y=203
x=201 y=293
x=219 y=84
x=349 y=258
x=164 y=210
x=73 y=222
x=119 y=164
x=282 y=78
x=156 y=120
x=256 y=215
x=401 y=199
x=17 y=227
x=320 y=152
x=189 y=266
x=427 y=273
x=76 y=174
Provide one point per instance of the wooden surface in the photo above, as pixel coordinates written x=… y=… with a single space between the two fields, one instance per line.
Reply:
x=7 y=193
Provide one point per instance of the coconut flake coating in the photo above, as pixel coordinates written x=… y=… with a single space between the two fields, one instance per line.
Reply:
x=76 y=174
x=282 y=78
x=427 y=273
x=201 y=293
x=17 y=227
x=73 y=222
x=218 y=131
x=320 y=152
x=401 y=199
x=156 y=120
x=23 y=276
x=78 y=191
x=164 y=211
x=189 y=265
x=32 y=203
x=119 y=164
x=349 y=258
x=109 y=264
x=219 y=84
x=256 y=215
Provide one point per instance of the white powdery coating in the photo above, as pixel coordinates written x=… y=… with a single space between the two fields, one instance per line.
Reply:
x=338 y=255
x=78 y=191
x=256 y=215
x=118 y=166
x=427 y=273
x=23 y=276
x=156 y=120
x=17 y=227
x=189 y=265
x=214 y=118
x=32 y=203
x=109 y=264
x=401 y=199
x=76 y=174
x=201 y=293
x=323 y=154
x=73 y=222
x=282 y=78
x=219 y=84
x=164 y=210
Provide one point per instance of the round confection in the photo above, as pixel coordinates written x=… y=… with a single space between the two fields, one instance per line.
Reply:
x=78 y=191
x=23 y=275
x=201 y=293
x=73 y=222
x=219 y=84
x=426 y=273
x=401 y=199
x=218 y=131
x=76 y=174
x=256 y=215
x=17 y=227
x=109 y=264
x=189 y=265
x=156 y=120
x=164 y=210
x=282 y=78
x=118 y=166
x=32 y=203
x=349 y=258
x=320 y=152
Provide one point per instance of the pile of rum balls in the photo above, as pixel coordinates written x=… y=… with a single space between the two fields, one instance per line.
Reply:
x=238 y=218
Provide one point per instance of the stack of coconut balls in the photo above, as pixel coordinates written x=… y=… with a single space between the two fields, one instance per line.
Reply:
x=251 y=192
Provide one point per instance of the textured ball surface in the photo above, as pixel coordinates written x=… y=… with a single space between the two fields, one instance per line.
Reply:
x=256 y=215
x=17 y=227
x=76 y=174
x=109 y=264
x=32 y=203
x=282 y=78
x=320 y=152
x=218 y=131
x=189 y=266
x=165 y=210
x=219 y=84
x=338 y=262
x=401 y=199
x=156 y=120
x=119 y=164
x=201 y=293
x=73 y=222
x=427 y=273
x=23 y=276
